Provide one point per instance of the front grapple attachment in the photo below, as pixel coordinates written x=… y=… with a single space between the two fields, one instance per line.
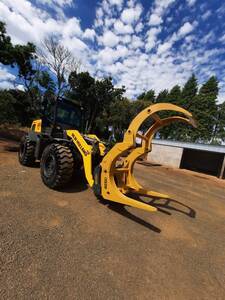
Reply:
x=117 y=178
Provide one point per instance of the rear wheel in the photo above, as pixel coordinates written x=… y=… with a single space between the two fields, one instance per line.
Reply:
x=56 y=166
x=26 y=152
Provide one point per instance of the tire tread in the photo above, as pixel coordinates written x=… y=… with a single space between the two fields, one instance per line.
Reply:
x=65 y=165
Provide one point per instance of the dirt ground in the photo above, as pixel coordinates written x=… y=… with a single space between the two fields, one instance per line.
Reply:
x=68 y=245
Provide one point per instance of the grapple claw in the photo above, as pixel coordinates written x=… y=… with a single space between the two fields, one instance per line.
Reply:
x=116 y=181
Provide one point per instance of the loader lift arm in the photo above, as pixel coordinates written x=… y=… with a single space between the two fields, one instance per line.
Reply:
x=116 y=181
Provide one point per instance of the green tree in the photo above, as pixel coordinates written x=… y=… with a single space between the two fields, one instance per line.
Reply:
x=7 y=109
x=141 y=96
x=118 y=117
x=6 y=47
x=162 y=96
x=137 y=106
x=22 y=108
x=219 y=129
x=18 y=55
x=120 y=114
x=23 y=57
x=205 y=110
x=147 y=96
x=174 y=97
x=150 y=96
x=181 y=131
x=40 y=90
x=189 y=92
x=95 y=96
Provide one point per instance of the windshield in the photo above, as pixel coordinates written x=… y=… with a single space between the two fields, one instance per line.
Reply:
x=69 y=115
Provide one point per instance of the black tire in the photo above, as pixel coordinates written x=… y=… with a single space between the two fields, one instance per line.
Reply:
x=26 y=152
x=57 y=165
x=97 y=181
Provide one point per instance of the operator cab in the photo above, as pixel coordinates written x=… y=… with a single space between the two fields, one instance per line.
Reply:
x=62 y=116
x=68 y=115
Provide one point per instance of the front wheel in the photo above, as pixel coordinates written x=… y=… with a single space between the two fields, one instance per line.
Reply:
x=26 y=152
x=57 y=165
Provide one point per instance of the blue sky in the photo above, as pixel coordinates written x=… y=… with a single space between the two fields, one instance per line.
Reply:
x=141 y=44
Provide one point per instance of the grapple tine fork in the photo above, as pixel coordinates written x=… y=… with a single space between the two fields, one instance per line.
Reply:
x=117 y=181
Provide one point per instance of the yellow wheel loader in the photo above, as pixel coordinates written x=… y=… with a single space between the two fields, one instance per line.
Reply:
x=60 y=146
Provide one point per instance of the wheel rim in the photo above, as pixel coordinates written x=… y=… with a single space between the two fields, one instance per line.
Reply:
x=50 y=166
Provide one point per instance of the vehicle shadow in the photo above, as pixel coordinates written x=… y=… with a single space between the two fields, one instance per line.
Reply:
x=77 y=184
x=36 y=165
x=121 y=209
x=163 y=205
x=169 y=204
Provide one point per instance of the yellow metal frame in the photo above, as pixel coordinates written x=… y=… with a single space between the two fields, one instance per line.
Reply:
x=101 y=146
x=36 y=126
x=117 y=181
x=86 y=153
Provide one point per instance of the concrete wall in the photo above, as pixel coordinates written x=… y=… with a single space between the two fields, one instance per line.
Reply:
x=165 y=155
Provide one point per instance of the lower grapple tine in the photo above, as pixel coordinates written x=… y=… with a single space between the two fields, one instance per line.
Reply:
x=152 y=194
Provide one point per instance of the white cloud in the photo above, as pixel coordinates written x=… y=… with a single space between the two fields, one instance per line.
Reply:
x=108 y=22
x=206 y=15
x=52 y=3
x=89 y=34
x=160 y=6
x=131 y=15
x=185 y=29
x=222 y=39
x=139 y=27
x=75 y=45
x=71 y=28
x=164 y=47
x=136 y=42
x=20 y=87
x=160 y=65
x=126 y=39
x=122 y=51
x=27 y=23
x=221 y=97
x=119 y=3
x=152 y=37
x=191 y=2
x=6 y=85
x=99 y=12
x=121 y=28
x=5 y=75
x=109 y=39
x=6 y=78
x=155 y=20
x=209 y=37
x=109 y=55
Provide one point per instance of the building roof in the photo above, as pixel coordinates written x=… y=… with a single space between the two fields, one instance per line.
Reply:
x=194 y=146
